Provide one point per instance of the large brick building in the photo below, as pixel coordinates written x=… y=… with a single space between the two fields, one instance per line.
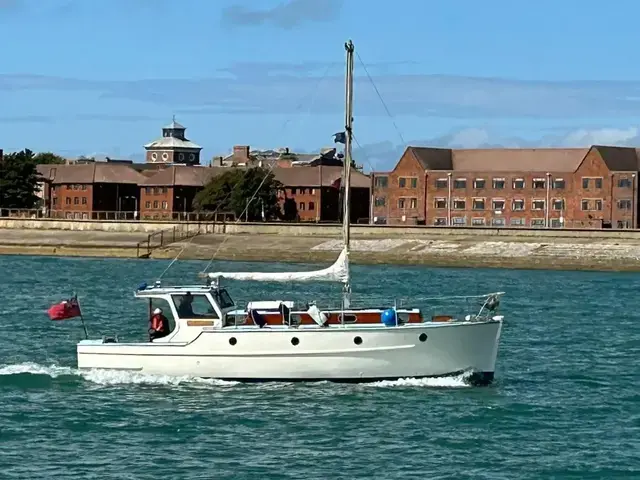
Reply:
x=592 y=187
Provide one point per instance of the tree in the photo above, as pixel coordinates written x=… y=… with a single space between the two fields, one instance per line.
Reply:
x=18 y=180
x=48 y=158
x=244 y=192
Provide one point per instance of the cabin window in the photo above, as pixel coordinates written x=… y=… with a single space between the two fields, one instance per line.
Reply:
x=222 y=298
x=193 y=306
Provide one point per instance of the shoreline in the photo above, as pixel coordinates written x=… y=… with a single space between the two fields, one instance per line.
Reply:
x=327 y=257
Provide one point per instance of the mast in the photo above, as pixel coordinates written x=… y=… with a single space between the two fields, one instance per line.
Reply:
x=346 y=175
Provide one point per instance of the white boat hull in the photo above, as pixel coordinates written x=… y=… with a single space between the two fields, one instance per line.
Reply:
x=320 y=354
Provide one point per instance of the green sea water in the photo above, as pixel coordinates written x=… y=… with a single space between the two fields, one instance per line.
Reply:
x=565 y=403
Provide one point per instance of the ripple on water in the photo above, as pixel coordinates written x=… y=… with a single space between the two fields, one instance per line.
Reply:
x=564 y=404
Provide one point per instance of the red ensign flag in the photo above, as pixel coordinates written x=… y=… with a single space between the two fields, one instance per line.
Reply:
x=65 y=309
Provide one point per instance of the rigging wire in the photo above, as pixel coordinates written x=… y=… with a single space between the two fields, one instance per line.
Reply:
x=381 y=99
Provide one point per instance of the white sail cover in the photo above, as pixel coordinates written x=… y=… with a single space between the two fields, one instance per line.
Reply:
x=338 y=272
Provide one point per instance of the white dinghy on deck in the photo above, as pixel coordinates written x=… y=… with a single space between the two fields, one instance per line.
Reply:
x=281 y=340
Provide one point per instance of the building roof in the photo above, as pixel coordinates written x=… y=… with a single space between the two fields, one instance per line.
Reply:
x=619 y=159
x=172 y=142
x=97 y=172
x=311 y=176
x=174 y=126
x=183 y=176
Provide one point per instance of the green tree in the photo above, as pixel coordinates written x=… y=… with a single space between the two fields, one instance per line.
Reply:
x=48 y=158
x=18 y=180
x=232 y=191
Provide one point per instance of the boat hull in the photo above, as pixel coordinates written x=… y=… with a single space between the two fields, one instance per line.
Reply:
x=340 y=354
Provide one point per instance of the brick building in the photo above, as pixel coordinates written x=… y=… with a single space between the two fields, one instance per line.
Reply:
x=169 y=193
x=94 y=190
x=592 y=187
x=312 y=194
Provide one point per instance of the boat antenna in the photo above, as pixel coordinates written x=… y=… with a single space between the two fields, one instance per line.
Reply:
x=346 y=175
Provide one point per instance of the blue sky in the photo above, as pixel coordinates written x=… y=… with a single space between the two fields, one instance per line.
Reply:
x=102 y=77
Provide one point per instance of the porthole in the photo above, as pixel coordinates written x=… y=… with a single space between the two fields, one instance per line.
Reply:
x=423 y=337
x=192 y=156
x=165 y=156
x=233 y=341
x=181 y=156
x=154 y=155
x=357 y=340
x=295 y=341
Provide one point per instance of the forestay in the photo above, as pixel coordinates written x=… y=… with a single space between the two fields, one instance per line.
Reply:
x=338 y=272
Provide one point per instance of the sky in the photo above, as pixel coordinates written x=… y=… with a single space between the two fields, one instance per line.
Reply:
x=102 y=77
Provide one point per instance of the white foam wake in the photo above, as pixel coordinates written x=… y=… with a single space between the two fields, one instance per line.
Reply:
x=457 y=381
x=109 y=377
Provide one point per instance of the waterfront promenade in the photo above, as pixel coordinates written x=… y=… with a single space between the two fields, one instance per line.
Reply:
x=466 y=247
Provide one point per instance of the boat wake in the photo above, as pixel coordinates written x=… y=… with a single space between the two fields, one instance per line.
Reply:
x=33 y=375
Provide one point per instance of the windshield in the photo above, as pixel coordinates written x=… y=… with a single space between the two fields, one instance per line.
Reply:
x=223 y=298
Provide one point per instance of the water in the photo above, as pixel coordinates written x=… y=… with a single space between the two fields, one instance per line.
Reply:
x=565 y=403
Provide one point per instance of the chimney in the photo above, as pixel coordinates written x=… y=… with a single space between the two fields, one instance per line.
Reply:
x=241 y=152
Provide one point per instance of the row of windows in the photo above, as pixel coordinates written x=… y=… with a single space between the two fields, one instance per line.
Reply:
x=517 y=204
x=497 y=222
x=500 y=183
x=156 y=204
x=155 y=190
x=76 y=186
x=302 y=206
x=68 y=201
x=303 y=191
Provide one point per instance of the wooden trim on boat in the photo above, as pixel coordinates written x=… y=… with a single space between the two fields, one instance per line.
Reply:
x=200 y=323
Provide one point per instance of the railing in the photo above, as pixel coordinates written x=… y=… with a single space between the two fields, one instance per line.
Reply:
x=164 y=237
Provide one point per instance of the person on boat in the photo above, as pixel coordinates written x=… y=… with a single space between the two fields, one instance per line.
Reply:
x=185 y=309
x=159 y=325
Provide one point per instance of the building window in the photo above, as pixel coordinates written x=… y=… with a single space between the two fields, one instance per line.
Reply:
x=148 y=190
x=293 y=191
x=382 y=182
x=537 y=205
x=497 y=204
x=517 y=222
x=458 y=221
x=459 y=204
x=164 y=189
x=556 y=223
x=598 y=182
x=68 y=187
x=312 y=206
x=477 y=222
x=558 y=183
x=479 y=183
x=55 y=201
x=76 y=201
x=380 y=201
x=402 y=182
x=301 y=206
x=517 y=204
x=440 y=203
x=591 y=205
x=401 y=203
x=497 y=222
x=477 y=204
x=410 y=182
x=460 y=183
x=624 y=204
x=518 y=183
x=624 y=183
x=312 y=191
x=442 y=183
x=558 y=204
x=84 y=187
x=439 y=221
x=84 y=200
x=181 y=156
x=413 y=203
x=537 y=222
x=165 y=205
x=498 y=183
x=67 y=201
x=155 y=204
x=303 y=191
x=624 y=224
x=192 y=156
x=539 y=183
x=147 y=204
x=165 y=156
x=586 y=181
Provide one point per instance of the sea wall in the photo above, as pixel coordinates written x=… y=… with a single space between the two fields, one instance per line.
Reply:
x=315 y=230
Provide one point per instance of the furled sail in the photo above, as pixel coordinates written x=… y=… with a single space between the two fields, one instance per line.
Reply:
x=338 y=272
